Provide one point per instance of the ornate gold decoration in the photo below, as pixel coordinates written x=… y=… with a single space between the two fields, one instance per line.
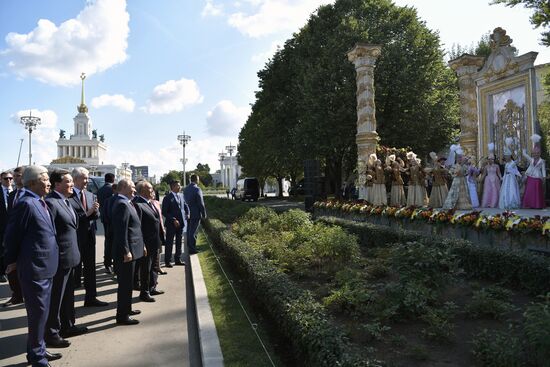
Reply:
x=82 y=108
x=499 y=39
x=67 y=159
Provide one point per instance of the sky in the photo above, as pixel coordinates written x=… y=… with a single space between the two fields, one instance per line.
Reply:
x=157 y=69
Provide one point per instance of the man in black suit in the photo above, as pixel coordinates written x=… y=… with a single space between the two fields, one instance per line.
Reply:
x=66 y=223
x=176 y=212
x=7 y=180
x=103 y=195
x=150 y=229
x=128 y=246
x=86 y=207
x=193 y=196
x=13 y=198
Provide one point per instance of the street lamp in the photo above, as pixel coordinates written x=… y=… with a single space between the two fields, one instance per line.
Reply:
x=230 y=149
x=30 y=122
x=222 y=156
x=184 y=139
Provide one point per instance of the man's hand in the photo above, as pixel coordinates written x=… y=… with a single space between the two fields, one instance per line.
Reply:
x=176 y=223
x=11 y=267
x=128 y=257
x=145 y=251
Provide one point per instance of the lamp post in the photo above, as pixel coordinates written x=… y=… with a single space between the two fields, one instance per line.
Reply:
x=30 y=122
x=222 y=156
x=184 y=139
x=230 y=149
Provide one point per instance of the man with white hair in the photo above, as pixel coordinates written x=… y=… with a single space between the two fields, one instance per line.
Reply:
x=87 y=209
x=31 y=249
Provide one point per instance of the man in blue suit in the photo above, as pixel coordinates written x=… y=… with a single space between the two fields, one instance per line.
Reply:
x=103 y=195
x=193 y=198
x=65 y=221
x=31 y=249
x=176 y=212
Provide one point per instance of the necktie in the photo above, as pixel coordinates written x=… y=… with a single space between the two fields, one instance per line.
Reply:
x=6 y=194
x=16 y=196
x=43 y=203
x=70 y=208
x=83 y=200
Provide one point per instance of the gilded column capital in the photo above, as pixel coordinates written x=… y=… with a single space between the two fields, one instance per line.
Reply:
x=467 y=65
x=364 y=55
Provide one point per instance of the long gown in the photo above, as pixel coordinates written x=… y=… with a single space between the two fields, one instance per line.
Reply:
x=534 y=189
x=491 y=187
x=379 y=196
x=509 y=197
x=472 y=186
x=416 y=195
x=439 y=187
x=397 y=194
x=459 y=195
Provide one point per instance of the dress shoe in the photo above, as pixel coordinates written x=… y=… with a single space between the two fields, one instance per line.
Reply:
x=12 y=301
x=52 y=356
x=168 y=265
x=156 y=292
x=161 y=272
x=95 y=303
x=73 y=331
x=146 y=297
x=134 y=312
x=127 y=321
x=108 y=270
x=57 y=343
x=181 y=263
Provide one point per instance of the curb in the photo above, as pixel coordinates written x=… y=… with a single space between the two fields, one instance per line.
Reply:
x=208 y=337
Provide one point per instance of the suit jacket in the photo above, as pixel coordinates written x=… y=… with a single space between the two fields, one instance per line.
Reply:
x=193 y=198
x=3 y=213
x=11 y=198
x=108 y=210
x=150 y=224
x=30 y=240
x=126 y=227
x=66 y=223
x=103 y=194
x=171 y=210
x=86 y=225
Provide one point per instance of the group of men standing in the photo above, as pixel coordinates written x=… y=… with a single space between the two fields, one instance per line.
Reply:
x=48 y=226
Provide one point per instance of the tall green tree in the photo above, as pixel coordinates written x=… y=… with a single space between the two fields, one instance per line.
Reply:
x=540 y=17
x=203 y=171
x=306 y=105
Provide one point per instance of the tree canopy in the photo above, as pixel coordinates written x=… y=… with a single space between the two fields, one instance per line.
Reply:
x=306 y=105
x=540 y=17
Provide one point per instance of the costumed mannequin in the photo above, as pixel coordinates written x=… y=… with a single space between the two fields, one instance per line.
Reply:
x=439 y=186
x=397 y=194
x=473 y=172
x=509 y=191
x=536 y=174
x=491 y=182
x=379 y=196
x=459 y=196
x=417 y=190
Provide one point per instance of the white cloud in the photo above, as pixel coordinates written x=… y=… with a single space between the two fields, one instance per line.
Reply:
x=211 y=9
x=114 y=100
x=274 y=16
x=263 y=57
x=44 y=148
x=173 y=96
x=226 y=119
x=95 y=40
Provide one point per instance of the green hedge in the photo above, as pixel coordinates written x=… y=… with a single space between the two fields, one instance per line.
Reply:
x=516 y=268
x=298 y=316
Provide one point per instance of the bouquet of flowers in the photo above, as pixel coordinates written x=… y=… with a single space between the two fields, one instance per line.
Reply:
x=365 y=209
x=390 y=211
x=422 y=213
x=442 y=216
x=466 y=219
x=377 y=210
x=405 y=212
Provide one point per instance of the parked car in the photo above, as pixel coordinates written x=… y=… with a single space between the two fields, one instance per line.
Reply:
x=248 y=189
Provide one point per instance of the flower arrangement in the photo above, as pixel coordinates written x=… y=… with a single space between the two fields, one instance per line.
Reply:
x=377 y=210
x=465 y=219
x=442 y=216
x=422 y=213
x=405 y=212
x=390 y=211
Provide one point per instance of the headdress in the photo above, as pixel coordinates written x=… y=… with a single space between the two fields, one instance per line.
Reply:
x=390 y=159
x=535 y=138
x=433 y=156
x=453 y=152
x=508 y=146
x=372 y=159
x=491 y=148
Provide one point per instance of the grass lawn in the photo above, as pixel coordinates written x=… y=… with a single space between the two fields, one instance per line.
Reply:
x=240 y=346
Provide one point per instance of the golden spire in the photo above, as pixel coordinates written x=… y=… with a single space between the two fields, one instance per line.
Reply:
x=82 y=108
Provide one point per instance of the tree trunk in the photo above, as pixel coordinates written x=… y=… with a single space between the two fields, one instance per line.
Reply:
x=280 y=183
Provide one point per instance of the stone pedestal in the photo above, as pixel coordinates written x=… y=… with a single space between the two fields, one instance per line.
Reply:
x=364 y=56
x=466 y=68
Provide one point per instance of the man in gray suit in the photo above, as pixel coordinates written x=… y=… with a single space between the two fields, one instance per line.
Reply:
x=193 y=198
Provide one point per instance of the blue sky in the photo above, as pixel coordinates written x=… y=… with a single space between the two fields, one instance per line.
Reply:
x=158 y=68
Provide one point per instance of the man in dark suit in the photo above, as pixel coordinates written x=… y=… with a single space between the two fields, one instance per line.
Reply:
x=13 y=198
x=193 y=198
x=31 y=249
x=176 y=212
x=86 y=207
x=7 y=180
x=66 y=223
x=103 y=195
x=128 y=247
x=150 y=229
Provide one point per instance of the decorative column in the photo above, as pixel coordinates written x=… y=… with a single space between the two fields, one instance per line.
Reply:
x=364 y=57
x=466 y=68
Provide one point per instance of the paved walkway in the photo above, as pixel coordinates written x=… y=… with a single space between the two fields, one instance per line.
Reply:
x=161 y=339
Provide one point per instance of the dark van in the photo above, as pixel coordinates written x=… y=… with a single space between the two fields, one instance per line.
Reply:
x=248 y=189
